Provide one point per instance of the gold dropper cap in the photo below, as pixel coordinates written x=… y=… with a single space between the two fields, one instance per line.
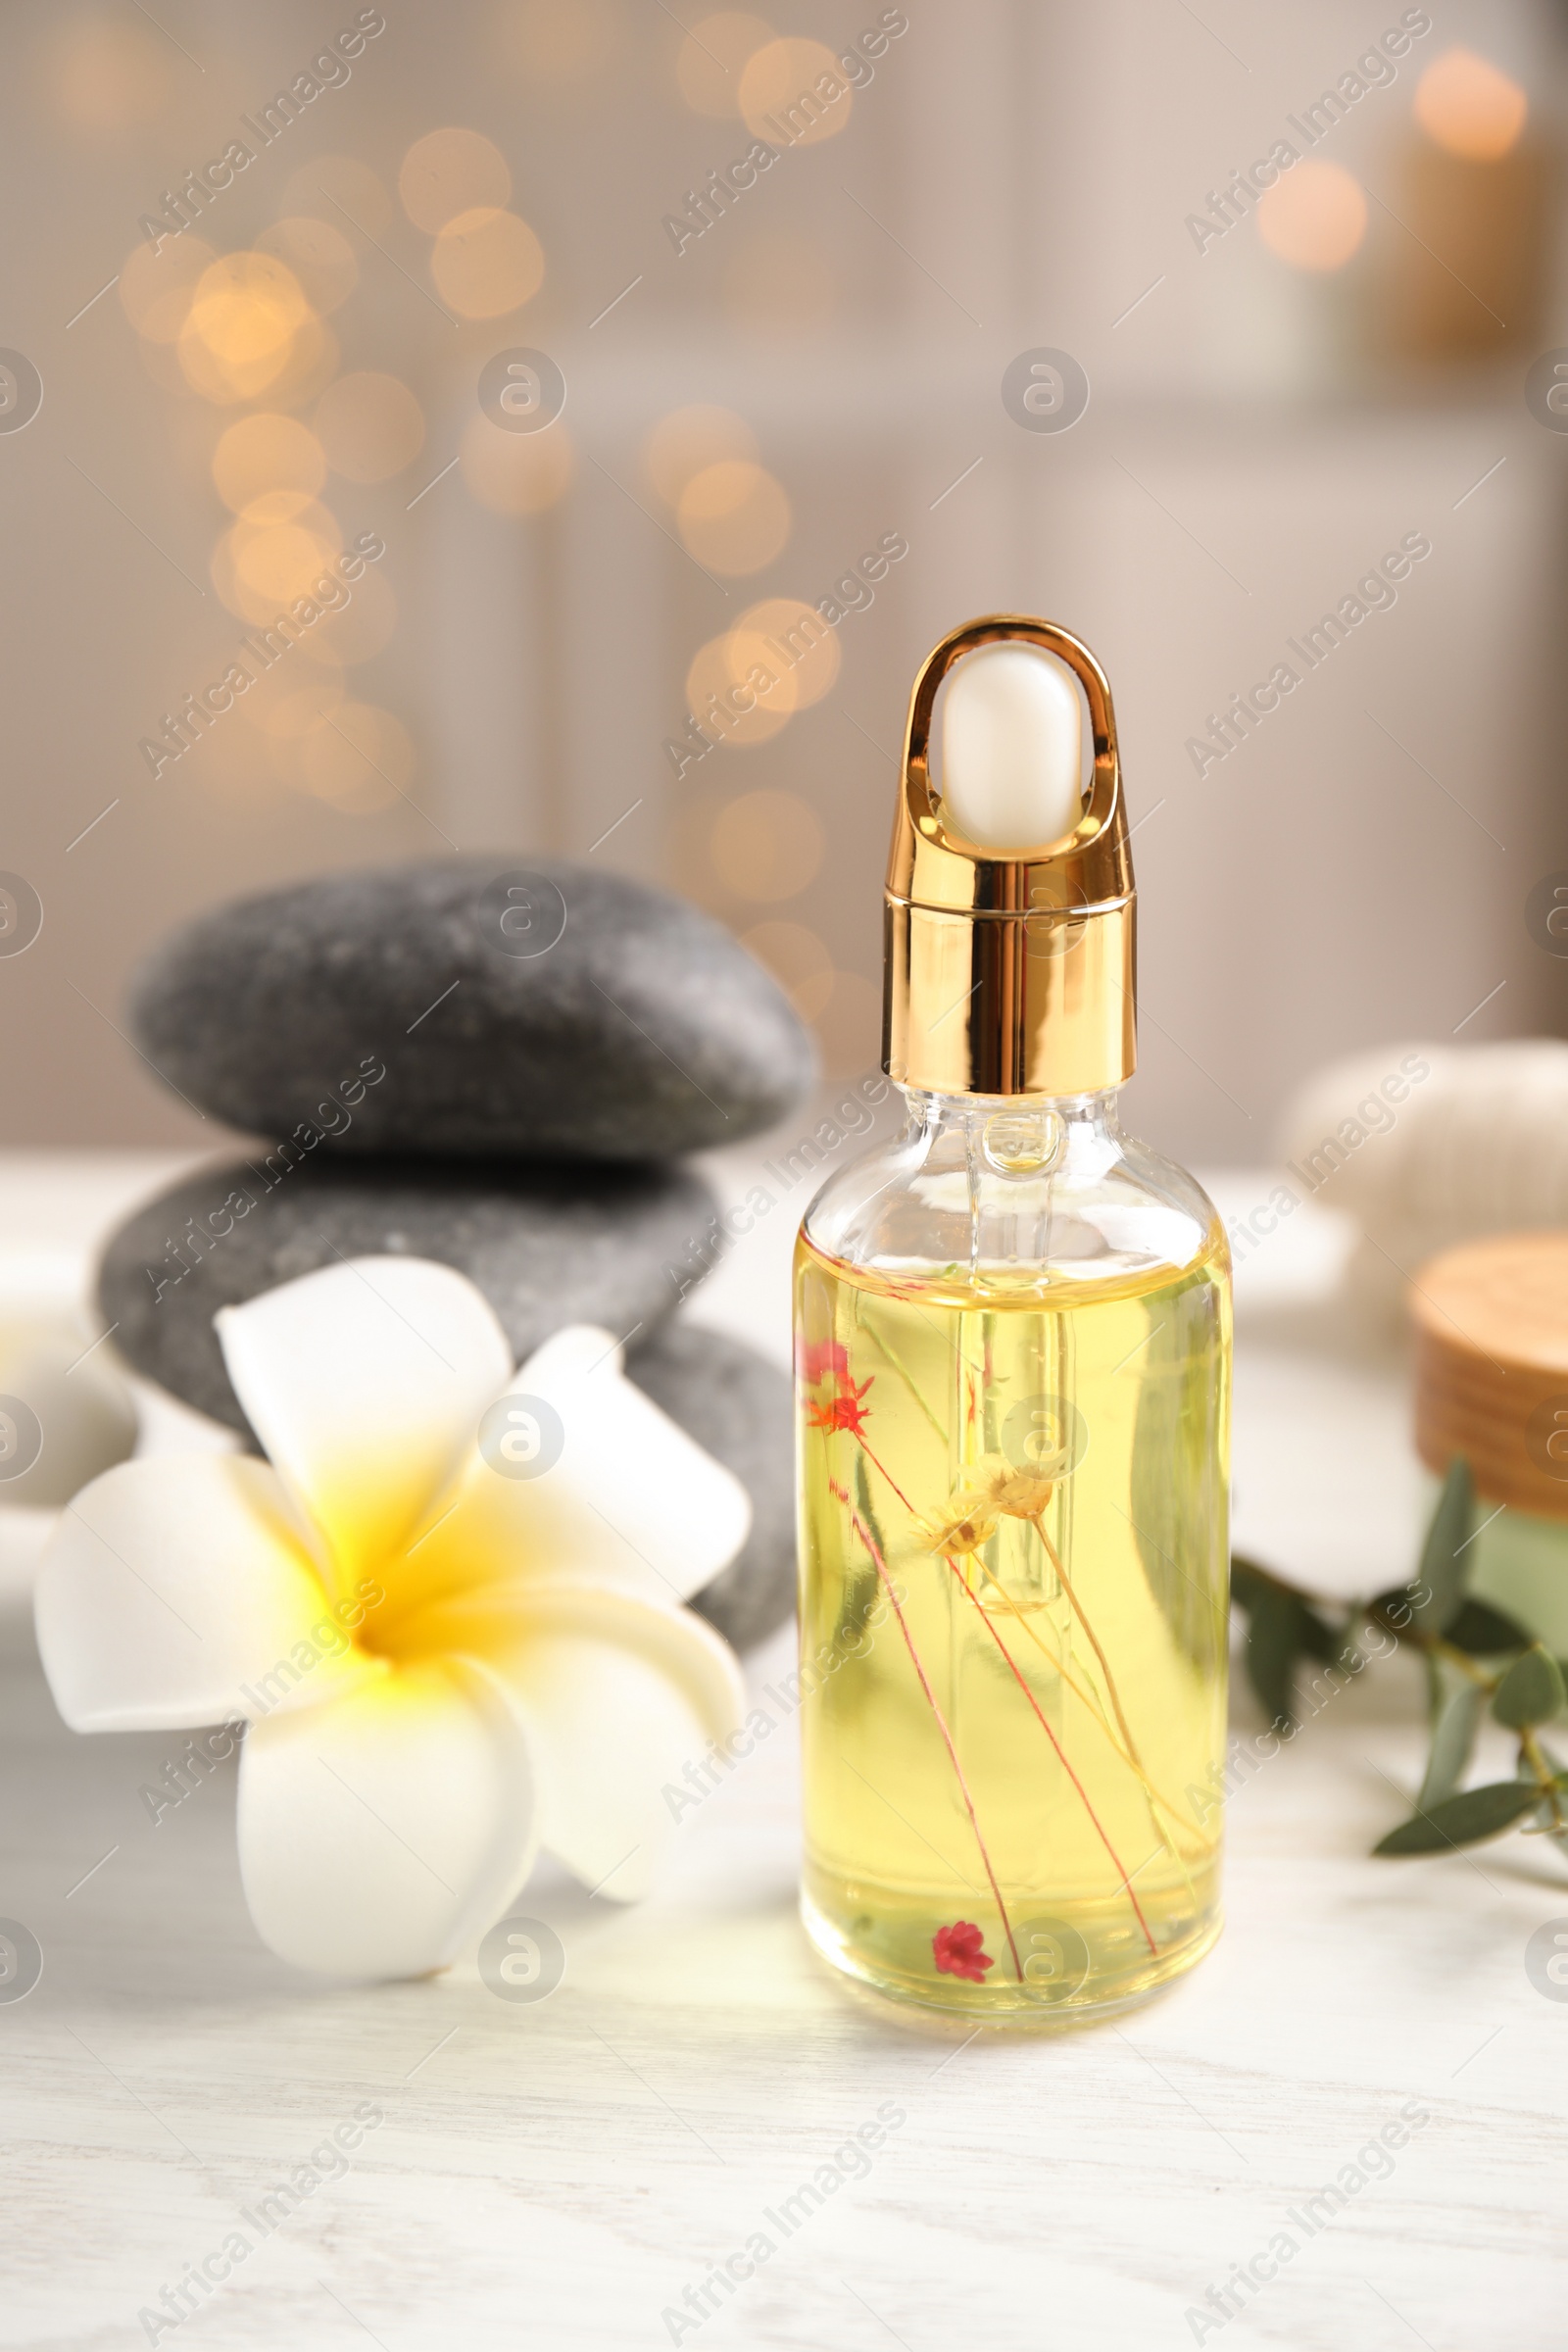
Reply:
x=1010 y=973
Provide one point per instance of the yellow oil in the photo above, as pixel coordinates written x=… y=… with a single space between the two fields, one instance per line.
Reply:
x=1014 y=1583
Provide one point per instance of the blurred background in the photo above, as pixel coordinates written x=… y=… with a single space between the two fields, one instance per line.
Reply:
x=1027 y=308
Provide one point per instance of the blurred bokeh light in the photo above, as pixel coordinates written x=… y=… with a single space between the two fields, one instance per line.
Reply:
x=734 y=517
x=452 y=172
x=672 y=626
x=1470 y=106
x=371 y=425
x=791 y=93
x=268 y=469
x=767 y=845
x=486 y=261
x=712 y=58
x=1315 y=217
x=516 y=474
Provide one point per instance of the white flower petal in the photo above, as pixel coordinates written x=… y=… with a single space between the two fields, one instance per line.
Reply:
x=84 y=1410
x=631 y=1502
x=381 y=1833
x=365 y=1383
x=177 y=1592
x=620 y=1696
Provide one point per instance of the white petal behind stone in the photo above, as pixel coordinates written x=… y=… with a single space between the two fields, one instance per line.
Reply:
x=84 y=1410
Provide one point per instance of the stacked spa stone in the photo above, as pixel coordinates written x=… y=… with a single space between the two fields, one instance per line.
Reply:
x=499 y=1069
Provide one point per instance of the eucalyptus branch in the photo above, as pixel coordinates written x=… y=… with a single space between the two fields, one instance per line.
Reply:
x=1478 y=1660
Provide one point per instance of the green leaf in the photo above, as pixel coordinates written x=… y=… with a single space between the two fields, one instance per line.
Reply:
x=1546 y=1817
x=1530 y=1692
x=863 y=1504
x=1433 y=1599
x=1248 y=1579
x=1545 y=1829
x=1453 y=1737
x=1462 y=1820
x=1436 y=1687
x=1281 y=1627
x=1273 y=1645
x=1442 y=1567
x=1482 y=1632
x=1319 y=1639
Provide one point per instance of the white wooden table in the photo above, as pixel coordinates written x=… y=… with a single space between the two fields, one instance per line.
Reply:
x=562 y=2173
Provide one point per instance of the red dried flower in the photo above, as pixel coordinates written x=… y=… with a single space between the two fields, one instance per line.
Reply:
x=816 y=1359
x=957 y=1951
x=842 y=1408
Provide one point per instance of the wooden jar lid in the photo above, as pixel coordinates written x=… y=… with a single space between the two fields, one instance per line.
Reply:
x=1491 y=1367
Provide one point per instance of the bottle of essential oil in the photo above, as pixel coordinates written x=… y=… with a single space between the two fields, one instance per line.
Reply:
x=1012 y=1357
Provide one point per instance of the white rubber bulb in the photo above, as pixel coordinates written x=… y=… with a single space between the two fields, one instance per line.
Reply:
x=1011 y=748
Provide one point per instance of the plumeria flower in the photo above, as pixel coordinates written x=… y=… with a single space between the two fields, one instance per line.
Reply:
x=444 y=1665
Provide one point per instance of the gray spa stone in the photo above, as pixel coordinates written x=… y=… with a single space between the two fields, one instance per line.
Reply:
x=476 y=1005
x=737 y=1406
x=547 y=1245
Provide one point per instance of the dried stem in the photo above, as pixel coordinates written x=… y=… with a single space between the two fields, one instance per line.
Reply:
x=1545 y=1778
x=1530 y=1749
x=1132 y=1756
x=1061 y=1759
x=1081 y=1613
x=885 y=1473
x=880 y=1566
x=1022 y=1684
x=1089 y=1699
x=1435 y=1648
x=901 y=1368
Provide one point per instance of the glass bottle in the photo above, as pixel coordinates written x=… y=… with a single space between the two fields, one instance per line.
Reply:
x=1013 y=1344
